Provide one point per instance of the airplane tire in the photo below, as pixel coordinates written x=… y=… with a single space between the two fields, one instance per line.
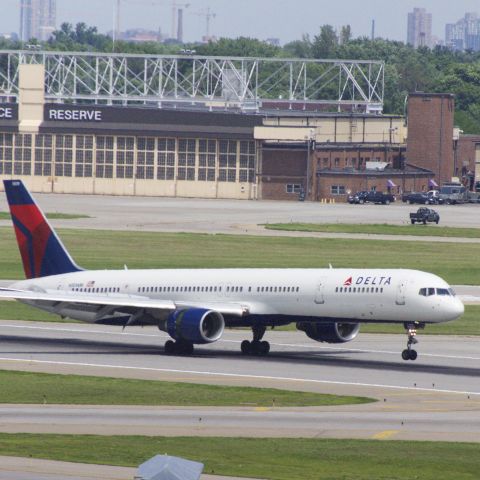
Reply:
x=264 y=348
x=170 y=347
x=246 y=347
x=413 y=354
x=406 y=355
x=185 y=348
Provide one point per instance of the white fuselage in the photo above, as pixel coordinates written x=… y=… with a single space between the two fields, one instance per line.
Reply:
x=360 y=295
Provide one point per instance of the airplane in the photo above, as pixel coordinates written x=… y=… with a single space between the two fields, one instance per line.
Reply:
x=195 y=305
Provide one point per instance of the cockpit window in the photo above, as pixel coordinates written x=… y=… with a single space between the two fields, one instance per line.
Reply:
x=427 y=292
x=443 y=291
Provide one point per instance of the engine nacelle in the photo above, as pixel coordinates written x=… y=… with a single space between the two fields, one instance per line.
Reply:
x=195 y=325
x=330 y=332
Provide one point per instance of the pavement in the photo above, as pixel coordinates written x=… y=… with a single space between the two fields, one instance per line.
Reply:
x=21 y=468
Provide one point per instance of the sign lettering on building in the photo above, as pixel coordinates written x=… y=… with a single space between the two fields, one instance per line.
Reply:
x=6 y=113
x=74 y=115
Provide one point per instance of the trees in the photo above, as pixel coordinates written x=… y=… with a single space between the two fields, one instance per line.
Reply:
x=325 y=43
x=406 y=69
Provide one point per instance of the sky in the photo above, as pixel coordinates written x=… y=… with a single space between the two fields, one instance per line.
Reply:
x=284 y=19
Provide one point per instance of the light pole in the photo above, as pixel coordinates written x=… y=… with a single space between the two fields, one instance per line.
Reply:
x=311 y=140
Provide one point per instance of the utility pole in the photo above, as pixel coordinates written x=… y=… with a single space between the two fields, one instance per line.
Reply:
x=116 y=25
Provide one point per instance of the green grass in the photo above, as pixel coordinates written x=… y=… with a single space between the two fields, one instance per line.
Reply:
x=456 y=263
x=53 y=215
x=269 y=458
x=12 y=310
x=468 y=324
x=37 y=388
x=419 y=230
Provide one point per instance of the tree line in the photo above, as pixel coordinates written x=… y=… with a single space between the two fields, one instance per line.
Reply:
x=438 y=70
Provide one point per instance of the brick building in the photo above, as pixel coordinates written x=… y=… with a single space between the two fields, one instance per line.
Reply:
x=130 y=150
x=467 y=159
x=430 y=133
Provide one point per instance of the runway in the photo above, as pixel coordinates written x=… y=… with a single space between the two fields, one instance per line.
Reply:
x=233 y=216
x=435 y=398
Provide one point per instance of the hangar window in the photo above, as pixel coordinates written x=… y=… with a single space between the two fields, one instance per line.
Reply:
x=124 y=156
x=83 y=155
x=293 y=188
x=64 y=155
x=247 y=161
x=207 y=160
x=104 y=157
x=22 y=164
x=145 y=158
x=6 y=153
x=186 y=159
x=227 y=161
x=337 y=189
x=43 y=155
x=166 y=159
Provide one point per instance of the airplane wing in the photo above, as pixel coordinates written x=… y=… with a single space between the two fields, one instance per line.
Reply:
x=108 y=305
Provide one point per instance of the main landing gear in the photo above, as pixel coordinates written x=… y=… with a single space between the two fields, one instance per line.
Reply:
x=409 y=353
x=180 y=347
x=256 y=347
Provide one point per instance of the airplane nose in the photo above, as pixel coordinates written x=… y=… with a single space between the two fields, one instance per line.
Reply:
x=458 y=308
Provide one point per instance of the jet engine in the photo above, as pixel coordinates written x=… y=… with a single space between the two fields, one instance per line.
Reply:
x=330 y=332
x=195 y=325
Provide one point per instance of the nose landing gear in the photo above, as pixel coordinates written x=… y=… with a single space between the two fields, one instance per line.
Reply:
x=409 y=353
x=256 y=347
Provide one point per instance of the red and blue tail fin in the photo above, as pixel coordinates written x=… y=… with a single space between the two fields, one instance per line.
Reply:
x=42 y=252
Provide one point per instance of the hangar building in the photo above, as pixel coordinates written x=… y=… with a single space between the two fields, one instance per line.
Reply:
x=60 y=138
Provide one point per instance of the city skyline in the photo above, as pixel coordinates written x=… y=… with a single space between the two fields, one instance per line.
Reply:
x=267 y=19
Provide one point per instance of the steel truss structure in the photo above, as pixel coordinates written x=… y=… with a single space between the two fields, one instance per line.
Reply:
x=201 y=82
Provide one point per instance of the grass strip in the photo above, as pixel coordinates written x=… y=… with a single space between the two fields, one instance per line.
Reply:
x=13 y=310
x=38 y=388
x=468 y=324
x=418 y=230
x=51 y=215
x=94 y=249
x=269 y=458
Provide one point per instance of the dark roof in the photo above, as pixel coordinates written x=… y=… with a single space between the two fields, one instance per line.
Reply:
x=388 y=172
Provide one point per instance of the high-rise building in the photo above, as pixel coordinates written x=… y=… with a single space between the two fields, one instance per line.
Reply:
x=37 y=19
x=464 y=34
x=419 y=30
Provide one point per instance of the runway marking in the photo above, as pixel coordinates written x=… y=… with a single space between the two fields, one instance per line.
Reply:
x=238 y=375
x=385 y=434
x=161 y=334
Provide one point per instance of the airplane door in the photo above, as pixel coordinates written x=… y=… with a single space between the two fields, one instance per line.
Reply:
x=320 y=292
x=400 y=296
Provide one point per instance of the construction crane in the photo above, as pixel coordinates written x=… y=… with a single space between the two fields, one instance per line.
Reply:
x=208 y=14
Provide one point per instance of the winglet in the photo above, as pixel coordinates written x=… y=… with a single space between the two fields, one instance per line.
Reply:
x=42 y=252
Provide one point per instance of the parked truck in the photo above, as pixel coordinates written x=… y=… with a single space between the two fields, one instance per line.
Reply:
x=424 y=215
x=453 y=193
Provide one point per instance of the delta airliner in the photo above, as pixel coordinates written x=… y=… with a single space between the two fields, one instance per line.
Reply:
x=195 y=305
